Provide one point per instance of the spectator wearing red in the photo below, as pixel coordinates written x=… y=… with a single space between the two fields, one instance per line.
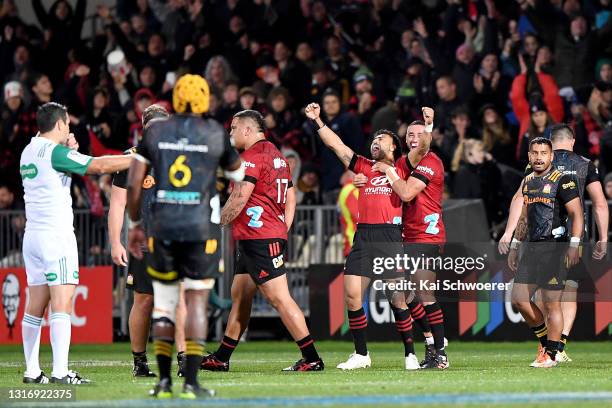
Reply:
x=524 y=85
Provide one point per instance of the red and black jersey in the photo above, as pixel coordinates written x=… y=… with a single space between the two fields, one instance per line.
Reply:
x=263 y=216
x=423 y=215
x=378 y=203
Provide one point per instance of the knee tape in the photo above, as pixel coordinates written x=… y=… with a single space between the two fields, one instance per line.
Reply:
x=198 y=284
x=165 y=299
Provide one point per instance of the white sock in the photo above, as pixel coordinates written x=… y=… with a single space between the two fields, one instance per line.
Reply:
x=30 y=333
x=60 y=343
x=429 y=340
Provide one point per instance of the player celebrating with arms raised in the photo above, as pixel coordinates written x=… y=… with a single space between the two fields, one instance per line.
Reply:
x=260 y=210
x=421 y=190
x=380 y=221
x=49 y=246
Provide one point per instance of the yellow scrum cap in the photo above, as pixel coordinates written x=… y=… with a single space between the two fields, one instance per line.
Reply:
x=192 y=90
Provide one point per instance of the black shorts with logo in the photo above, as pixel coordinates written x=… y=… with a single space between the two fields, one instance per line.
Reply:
x=372 y=244
x=169 y=261
x=543 y=264
x=138 y=279
x=262 y=259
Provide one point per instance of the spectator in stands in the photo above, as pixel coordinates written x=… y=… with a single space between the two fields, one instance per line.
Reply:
x=575 y=52
x=460 y=130
x=230 y=103
x=62 y=32
x=490 y=86
x=447 y=93
x=497 y=138
x=608 y=186
x=347 y=127
x=294 y=75
x=540 y=122
x=11 y=232
x=308 y=189
x=525 y=87
x=463 y=72
x=363 y=103
x=603 y=70
x=477 y=176
x=248 y=98
x=282 y=123
x=218 y=73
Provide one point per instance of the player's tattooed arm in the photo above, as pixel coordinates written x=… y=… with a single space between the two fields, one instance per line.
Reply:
x=521 y=227
x=328 y=136
x=415 y=155
x=238 y=198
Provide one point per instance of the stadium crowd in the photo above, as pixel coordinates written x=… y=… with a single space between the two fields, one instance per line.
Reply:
x=496 y=72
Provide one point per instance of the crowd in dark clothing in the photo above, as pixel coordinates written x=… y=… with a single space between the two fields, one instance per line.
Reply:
x=497 y=72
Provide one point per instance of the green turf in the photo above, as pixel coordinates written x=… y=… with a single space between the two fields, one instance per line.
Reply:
x=255 y=371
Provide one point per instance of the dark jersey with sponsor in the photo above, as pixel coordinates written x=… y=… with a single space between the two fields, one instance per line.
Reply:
x=377 y=202
x=546 y=197
x=423 y=215
x=263 y=216
x=184 y=152
x=148 y=191
x=581 y=169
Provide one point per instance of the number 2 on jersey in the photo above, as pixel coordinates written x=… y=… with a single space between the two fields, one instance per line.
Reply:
x=432 y=220
x=283 y=195
x=255 y=214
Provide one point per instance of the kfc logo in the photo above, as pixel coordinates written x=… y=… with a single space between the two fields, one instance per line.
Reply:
x=10 y=300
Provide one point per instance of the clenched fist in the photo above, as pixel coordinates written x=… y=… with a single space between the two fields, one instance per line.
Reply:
x=312 y=111
x=428 y=115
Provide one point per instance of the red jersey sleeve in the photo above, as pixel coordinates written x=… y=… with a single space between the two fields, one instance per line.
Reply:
x=426 y=170
x=359 y=164
x=253 y=166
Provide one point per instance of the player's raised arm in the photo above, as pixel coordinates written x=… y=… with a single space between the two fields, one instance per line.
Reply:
x=235 y=203
x=328 y=136
x=415 y=155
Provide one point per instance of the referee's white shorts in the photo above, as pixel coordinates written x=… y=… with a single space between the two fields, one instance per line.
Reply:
x=51 y=258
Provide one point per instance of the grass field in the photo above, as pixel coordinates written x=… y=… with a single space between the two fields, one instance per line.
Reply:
x=481 y=374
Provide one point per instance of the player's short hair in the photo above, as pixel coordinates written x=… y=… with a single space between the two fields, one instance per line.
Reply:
x=417 y=123
x=540 y=141
x=397 y=153
x=254 y=116
x=560 y=132
x=154 y=111
x=48 y=114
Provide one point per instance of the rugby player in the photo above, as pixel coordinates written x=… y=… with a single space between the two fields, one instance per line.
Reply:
x=549 y=197
x=586 y=175
x=138 y=279
x=420 y=185
x=184 y=152
x=49 y=246
x=260 y=210
x=378 y=229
